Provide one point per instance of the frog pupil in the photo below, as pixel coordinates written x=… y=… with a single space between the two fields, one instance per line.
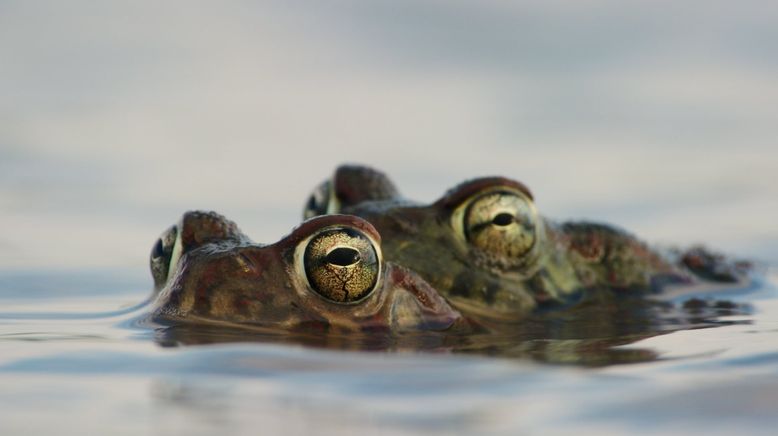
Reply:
x=502 y=219
x=343 y=256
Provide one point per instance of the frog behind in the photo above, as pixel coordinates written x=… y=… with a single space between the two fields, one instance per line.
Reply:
x=486 y=248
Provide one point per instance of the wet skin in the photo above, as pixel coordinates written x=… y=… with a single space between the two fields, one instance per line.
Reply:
x=484 y=246
x=213 y=285
x=327 y=276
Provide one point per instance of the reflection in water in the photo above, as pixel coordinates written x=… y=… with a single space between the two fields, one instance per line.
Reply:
x=48 y=337
x=164 y=379
x=590 y=334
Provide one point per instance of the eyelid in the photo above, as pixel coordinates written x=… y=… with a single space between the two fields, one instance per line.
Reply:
x=471 y=189
x=458 y=214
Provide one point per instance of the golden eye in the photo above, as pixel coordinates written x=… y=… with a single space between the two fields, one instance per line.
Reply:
x=341 y=265
x=501 y=223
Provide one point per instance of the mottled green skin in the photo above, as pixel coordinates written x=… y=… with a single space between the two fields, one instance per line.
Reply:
x=571 y=259
x=223 y=278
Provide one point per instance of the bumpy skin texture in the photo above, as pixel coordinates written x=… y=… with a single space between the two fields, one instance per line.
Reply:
x=218 y=276
x=565 y=263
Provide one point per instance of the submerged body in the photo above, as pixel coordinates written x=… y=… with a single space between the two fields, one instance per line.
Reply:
x=328 y=275
x=484 y=246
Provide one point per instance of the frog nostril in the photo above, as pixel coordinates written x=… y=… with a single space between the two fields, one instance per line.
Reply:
x=343 y=256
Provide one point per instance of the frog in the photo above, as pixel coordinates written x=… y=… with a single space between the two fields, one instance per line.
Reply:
x=485 y=247
x=328 y=275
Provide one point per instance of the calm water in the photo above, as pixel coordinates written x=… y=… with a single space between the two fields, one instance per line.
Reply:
x=116 y=117
x=76 y=361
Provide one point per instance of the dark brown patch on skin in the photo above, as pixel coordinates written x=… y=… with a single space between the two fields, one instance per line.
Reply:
x=590 y=246
x=202 y=302
x=617 y=259
x=241 y=305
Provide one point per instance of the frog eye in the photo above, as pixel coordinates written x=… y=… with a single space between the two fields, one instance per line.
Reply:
x=195 y=229
x=502 y=223
x=322 y=201
x=164 y=255
x=342 y=264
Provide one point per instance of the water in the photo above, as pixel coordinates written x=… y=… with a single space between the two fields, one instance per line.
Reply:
x=75 y=359
x=115 y=118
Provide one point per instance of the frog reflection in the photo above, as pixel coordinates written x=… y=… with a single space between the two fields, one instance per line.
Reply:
x=486 y=248
x=328 y=275
x=588 y=334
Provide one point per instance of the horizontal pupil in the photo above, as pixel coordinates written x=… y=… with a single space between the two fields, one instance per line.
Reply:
x=502 y=219
x=343 y=256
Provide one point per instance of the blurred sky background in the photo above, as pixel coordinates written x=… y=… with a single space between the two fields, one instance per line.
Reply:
x=115 y=117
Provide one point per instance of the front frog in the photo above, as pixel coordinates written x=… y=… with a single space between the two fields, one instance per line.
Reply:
x=328 y=275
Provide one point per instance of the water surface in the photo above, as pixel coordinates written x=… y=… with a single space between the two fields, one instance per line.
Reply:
x=73 y=350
